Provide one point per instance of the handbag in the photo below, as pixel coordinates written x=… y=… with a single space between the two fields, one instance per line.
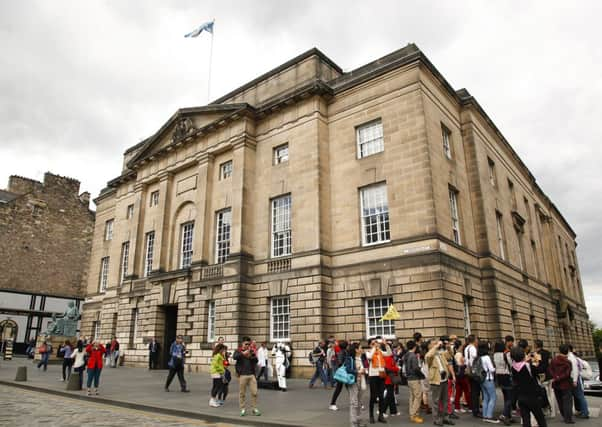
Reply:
x=395 y=379
x=341 y=375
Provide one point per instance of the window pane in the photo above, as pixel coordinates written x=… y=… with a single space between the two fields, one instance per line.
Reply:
x=370 y=139
x=186 y=251
x=375 y=214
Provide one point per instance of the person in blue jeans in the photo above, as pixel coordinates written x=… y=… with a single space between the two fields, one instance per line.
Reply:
x=488 y=383
x=319 y=358
x=45 y=350
x=96 y=352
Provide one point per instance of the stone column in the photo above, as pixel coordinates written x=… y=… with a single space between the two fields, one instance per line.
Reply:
x=243 y=178
x=136 y=259
x=202 y=223
x=163 y=222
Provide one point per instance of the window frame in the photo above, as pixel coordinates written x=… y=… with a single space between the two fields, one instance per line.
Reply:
x=96 y=329
x=492 y=172
x=454 y=209
x=129 y=212
x=467 y=325
x=285 y=234
x=211 y=321
x=154 y=198
x=379 y=326
x=286 y=329
x=104 y=274
x=148 y=266
x=134 y=325
x=186 y=255
x=109 y=224
x=377 y=142
x=124 y=260
x=446 y=137
x=222 y=252
x=382 y=226
x=276 y=158
x=500 y=236
x=225 y=170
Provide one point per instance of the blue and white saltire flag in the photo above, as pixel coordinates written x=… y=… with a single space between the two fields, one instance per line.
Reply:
x=207 y=26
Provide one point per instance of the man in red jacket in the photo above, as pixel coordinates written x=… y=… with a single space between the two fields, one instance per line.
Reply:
x=560 y=370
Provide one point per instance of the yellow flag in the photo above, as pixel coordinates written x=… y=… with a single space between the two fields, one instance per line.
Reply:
x=391 y=314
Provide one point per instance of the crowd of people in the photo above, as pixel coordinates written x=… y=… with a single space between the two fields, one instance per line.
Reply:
x=457 y=377
x=445 y=377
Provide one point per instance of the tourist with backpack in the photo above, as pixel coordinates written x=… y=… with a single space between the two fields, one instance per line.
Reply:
x=504 y=379
x=486 y=371
x=528 y=392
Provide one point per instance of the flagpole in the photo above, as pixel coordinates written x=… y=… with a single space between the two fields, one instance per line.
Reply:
x=210 y=64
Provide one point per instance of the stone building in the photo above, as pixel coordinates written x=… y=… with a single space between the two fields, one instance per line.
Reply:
x=303 y=203
x=46 y=231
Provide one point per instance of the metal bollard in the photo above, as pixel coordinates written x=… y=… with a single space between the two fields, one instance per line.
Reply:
x=73 y=383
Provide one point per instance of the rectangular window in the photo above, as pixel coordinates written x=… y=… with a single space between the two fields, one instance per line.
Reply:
x=374 y=214
x=281 y=154
x=467 y=328
x=535 y=258
x=104 y=273
x=280 y=323
x=500 y=234
x=222 y=235
x=514 y=318
x=187 y=231
x=375 y=310
x=129 y=214
x=109 y=230
x=455 y=217
x=148 y=252
x=225 y=170
x=154 y=198
x=492 y=178
x=521 y=250
x=369 y=139
x=446 y=135
x=134 y=326
x=125 y=255
x=96 y=330
x=211 y=321
x=512 y=193
x=281 y=226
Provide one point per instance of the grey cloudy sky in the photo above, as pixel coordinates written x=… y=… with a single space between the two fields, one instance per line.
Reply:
x=80 y=81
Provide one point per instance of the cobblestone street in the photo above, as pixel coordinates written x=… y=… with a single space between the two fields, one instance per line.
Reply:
x=27 y=408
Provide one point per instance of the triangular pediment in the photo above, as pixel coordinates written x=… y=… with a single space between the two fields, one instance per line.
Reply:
x=184 y=123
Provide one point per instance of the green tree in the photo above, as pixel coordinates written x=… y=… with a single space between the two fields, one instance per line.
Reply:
x=597 y=337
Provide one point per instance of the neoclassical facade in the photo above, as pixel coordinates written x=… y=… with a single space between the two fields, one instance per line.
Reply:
x=303 y=203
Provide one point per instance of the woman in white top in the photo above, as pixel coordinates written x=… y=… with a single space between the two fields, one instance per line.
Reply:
x=488 y=383
x=79 y=362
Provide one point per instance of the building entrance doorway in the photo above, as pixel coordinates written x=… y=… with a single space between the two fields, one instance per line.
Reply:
x=169 y=335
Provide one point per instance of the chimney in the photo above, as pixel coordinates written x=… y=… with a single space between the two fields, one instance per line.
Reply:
x=21 y=185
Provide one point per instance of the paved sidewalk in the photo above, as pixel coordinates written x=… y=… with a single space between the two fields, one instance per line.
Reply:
x=142 y=389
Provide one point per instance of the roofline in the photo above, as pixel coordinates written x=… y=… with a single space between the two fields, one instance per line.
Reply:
x=307 y=54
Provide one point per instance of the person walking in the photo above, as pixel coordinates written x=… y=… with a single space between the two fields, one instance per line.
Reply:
x=153 y=353
x=581 y=408
x=527 y=389
x=226 y=378
x=95 y=353
x=177 y=360
x=78 y=356
x=376 y=377
x=560 y=371
x=341 y=356
x=246 y=363
x=487 y=383
x=45 y=351
x=470 y=355
x=66 y=351
x=281 y=353
x=414 y=375
x=318 y=358
x=217 y=374
x=262 y=361
x=439 y=372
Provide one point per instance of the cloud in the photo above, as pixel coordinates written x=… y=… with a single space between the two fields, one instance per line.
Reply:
x=82 y=81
